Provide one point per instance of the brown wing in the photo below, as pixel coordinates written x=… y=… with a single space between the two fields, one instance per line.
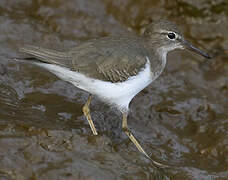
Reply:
x=107 y=59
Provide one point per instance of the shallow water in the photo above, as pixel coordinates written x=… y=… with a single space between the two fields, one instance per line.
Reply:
x=181 y=119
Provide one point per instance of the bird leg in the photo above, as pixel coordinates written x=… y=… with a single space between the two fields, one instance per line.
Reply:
x=136 y=143
x=86 y=112
x=130 y=135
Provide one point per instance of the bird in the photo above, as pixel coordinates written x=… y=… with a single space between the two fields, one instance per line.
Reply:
x=114 y=68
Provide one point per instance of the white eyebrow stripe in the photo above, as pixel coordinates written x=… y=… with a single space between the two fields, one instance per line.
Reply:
x=165 y=31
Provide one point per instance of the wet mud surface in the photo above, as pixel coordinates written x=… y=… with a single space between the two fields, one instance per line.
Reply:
x=181 y=119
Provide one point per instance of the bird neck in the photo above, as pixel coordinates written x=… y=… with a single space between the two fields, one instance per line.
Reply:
x=157 y=58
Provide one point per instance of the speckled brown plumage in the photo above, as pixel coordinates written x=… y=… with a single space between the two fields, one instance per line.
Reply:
x=112 y=59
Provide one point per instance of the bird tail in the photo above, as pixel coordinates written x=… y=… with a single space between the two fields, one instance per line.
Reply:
x=45 y=55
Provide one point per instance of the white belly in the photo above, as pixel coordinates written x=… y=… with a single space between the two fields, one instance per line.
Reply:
x=118 y=94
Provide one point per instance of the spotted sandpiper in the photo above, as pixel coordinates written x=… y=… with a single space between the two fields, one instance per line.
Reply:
x=114 y=69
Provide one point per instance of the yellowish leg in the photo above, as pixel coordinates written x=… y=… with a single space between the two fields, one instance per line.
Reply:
x=136 y=143
x=86 y=112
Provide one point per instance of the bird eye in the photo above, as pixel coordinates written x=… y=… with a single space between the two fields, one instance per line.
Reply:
x=171 y=36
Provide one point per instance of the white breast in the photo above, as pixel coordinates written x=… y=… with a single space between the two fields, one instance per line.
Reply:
x=118 y=94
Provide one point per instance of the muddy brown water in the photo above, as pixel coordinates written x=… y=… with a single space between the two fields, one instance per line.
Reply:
x=181 y=119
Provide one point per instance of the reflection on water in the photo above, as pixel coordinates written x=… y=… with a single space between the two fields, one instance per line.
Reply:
x=181 y=118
